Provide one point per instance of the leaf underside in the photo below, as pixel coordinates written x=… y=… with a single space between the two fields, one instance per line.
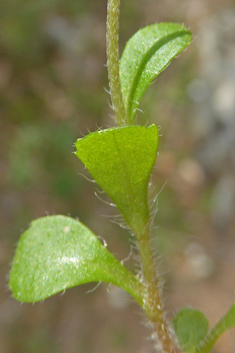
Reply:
x=146 y=54
x=120 y=160
x=58 y=252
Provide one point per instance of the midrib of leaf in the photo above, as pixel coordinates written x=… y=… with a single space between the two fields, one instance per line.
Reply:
x=124 y=170
x=124 y=167
x=147 y=57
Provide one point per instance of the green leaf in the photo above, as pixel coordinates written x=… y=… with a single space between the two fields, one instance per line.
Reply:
x=57 y=253
x=146 y=54
x=191 y=327
x=120 y=160
x=227 y=322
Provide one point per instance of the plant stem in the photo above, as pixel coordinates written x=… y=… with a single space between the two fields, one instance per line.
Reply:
x=113 y=60
x=153 y=302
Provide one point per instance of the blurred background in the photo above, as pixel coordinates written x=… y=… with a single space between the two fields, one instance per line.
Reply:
x=52 y=91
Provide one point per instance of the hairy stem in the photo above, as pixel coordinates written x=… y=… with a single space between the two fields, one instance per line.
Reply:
x=113 y=60
x=153 y=302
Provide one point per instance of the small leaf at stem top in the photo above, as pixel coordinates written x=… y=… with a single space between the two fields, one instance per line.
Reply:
x=57 y=253
x=120 y=160
x=146 y=54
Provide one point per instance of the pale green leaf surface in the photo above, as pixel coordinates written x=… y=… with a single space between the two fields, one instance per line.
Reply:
x=227 y=322
x=120 y=160
x=59 y=252
x=191 y=327
x=146 y=54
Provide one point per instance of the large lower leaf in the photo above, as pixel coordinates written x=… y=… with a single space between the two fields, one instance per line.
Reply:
x=57 y=253
x=146 y=54
x=121 y=160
